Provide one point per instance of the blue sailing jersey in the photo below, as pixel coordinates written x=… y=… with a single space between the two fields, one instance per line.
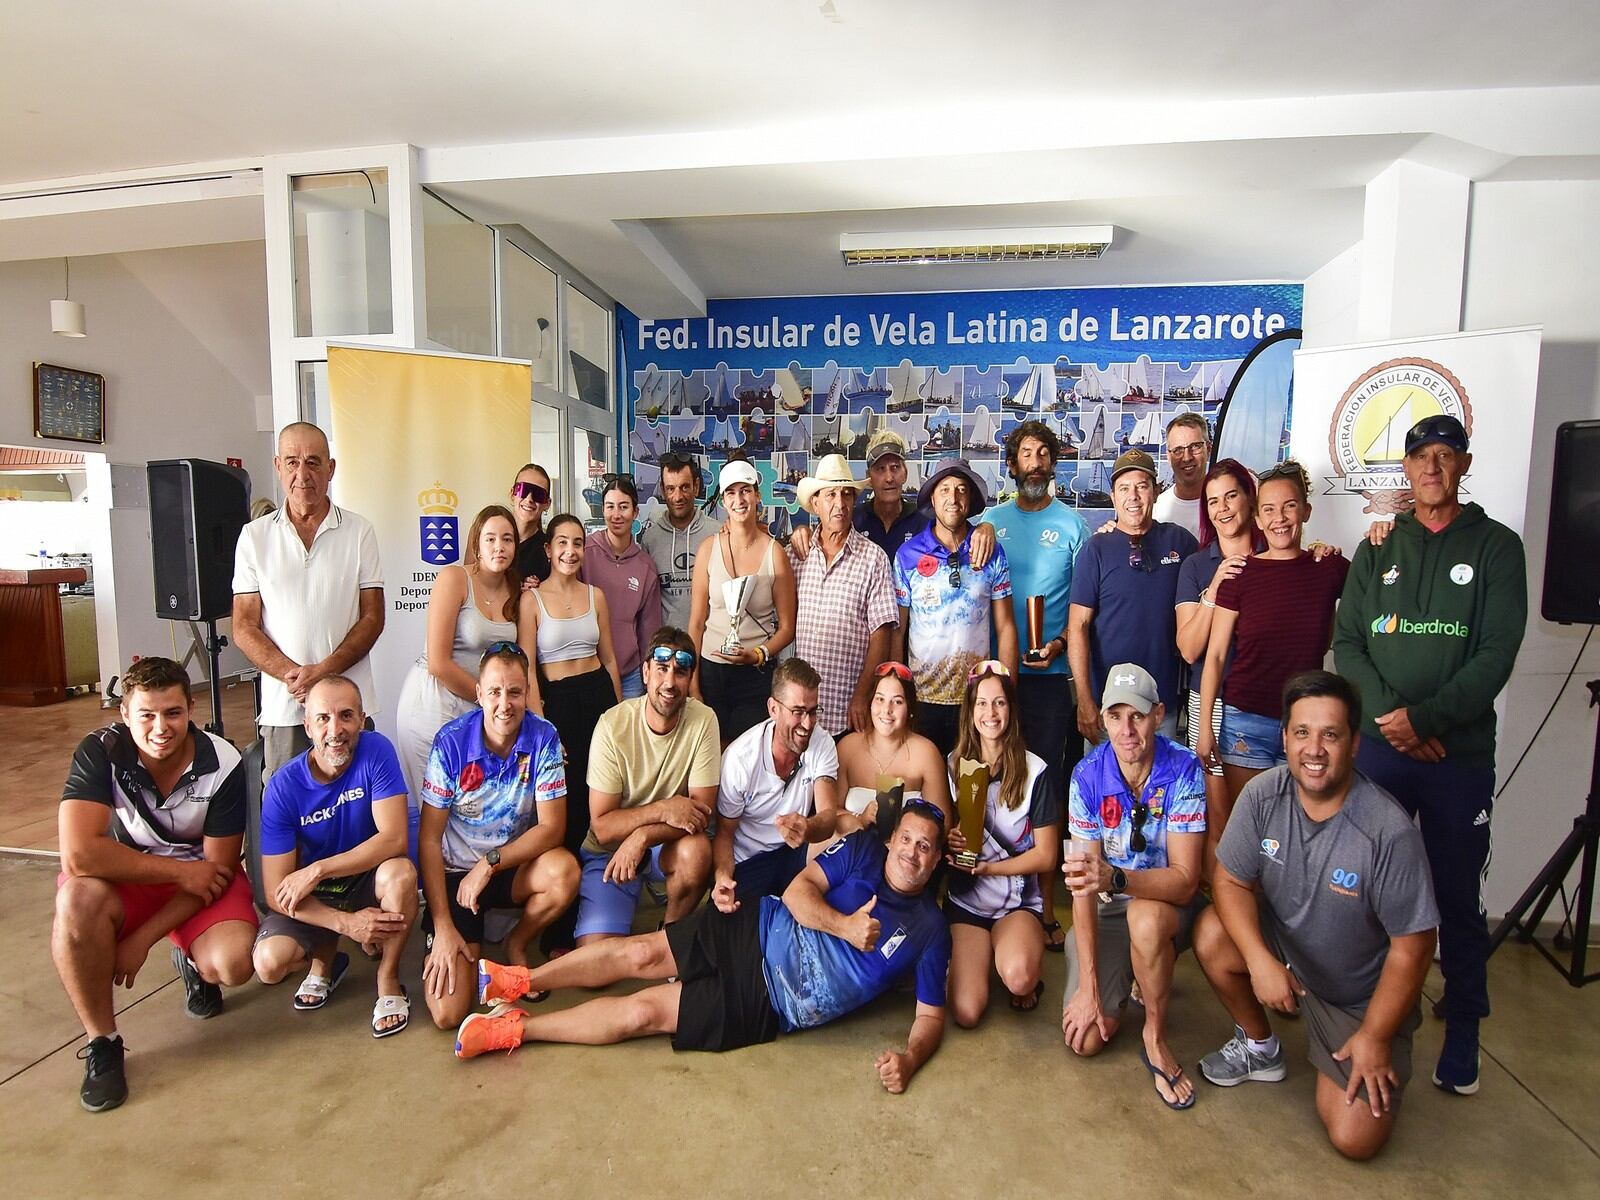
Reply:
x=813 y=977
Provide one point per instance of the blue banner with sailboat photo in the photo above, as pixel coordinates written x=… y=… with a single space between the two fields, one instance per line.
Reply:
x=787 y=380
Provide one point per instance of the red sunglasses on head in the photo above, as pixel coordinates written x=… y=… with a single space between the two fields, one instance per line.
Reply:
x=898 y=670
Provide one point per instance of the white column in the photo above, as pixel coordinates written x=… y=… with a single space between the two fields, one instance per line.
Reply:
x=1413 y=252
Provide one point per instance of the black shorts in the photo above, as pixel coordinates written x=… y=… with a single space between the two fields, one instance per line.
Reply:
x=723 y=1004
x=469 y=924
x=954 y=914
x=347 y=893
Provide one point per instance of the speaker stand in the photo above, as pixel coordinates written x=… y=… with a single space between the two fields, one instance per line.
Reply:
x=1529 y=910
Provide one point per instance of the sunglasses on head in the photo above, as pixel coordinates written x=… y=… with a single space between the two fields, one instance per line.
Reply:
x=1287 y=469
x=989 y=666
x=494 y=649
x=611 y=477
x=670 y=655
x=924 y=809
x=523 y=490
x=899 y=670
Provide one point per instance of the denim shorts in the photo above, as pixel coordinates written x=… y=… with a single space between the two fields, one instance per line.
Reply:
x=1250 y=740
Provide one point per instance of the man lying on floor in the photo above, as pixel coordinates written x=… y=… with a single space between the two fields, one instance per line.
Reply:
x=855 y=921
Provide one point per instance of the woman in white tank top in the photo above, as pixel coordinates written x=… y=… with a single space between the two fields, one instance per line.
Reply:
x=472 y=605
x=577 y=676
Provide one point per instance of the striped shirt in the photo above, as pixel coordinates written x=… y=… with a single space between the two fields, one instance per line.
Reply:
x=841 y=605
x=1284 y=626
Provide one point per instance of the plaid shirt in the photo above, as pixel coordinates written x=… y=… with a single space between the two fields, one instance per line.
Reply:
x=841 y=605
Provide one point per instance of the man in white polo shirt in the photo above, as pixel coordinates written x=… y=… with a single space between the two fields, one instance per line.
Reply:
x=778 y=793
x=307 y=594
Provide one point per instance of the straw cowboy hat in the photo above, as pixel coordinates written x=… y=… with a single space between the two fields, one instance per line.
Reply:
x=832 y=471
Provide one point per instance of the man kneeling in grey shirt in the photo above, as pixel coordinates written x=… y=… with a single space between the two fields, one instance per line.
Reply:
x=1323 y=903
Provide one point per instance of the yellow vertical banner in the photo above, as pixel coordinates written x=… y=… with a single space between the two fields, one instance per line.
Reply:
x=421 y=442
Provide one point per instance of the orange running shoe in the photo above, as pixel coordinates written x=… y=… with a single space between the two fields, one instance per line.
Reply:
x=498 y=983
x=483 y=1032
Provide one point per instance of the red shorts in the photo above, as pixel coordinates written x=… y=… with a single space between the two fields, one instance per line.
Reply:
x=141 y=901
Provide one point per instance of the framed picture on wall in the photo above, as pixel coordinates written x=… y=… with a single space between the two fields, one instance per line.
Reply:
x=68 y=404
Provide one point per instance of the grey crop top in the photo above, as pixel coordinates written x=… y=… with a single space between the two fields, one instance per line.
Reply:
x=565 y=639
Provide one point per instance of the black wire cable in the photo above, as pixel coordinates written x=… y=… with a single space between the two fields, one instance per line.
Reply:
x=1571 y=671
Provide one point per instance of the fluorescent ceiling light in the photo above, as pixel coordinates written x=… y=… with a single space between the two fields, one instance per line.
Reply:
x=1041 y=243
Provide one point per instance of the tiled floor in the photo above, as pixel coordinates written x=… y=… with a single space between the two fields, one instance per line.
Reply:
x=38 y=745
x=264 y=1100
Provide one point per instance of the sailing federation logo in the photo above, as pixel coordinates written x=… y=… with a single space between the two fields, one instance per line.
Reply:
x=1367 y=437
x=438 y=528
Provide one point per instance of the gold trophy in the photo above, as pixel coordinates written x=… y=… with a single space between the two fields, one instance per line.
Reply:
x=891 y=798
x=972 y=801
x=735 y=594
x=1035 y=628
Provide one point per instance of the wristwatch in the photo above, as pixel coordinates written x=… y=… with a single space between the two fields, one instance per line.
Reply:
x=1119 y=881
x=493 y=859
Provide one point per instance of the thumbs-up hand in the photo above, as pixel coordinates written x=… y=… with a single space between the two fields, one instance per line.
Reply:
x=861 y=928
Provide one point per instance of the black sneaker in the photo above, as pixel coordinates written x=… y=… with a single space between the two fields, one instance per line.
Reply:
x=105 y=1084
x=202 y=1000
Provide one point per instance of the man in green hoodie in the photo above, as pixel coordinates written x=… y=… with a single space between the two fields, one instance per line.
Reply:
x=1428 y=629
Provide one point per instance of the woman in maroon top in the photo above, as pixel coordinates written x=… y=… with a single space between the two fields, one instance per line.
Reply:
x=1278 y=624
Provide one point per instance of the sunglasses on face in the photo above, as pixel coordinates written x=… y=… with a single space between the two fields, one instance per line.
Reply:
x=670 y=655
x=530 y=491
x=502 y=647
x=899 y=670
x=1141 y=814
x=989 y=666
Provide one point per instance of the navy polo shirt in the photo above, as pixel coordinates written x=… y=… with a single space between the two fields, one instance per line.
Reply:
x=906 y=526
x=1134 y=616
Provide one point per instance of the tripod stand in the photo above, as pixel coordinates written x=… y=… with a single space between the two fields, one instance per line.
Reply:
x=1529 y=910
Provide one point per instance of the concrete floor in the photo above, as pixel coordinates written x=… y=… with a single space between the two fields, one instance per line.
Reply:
x=264 y=1099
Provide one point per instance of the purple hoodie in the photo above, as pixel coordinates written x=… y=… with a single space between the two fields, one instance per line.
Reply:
x=632 y=588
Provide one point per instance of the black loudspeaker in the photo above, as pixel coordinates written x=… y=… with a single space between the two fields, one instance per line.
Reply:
x=197 y=509
x=1572 y=555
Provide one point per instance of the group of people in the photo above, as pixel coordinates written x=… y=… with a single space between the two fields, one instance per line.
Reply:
x=781 y=740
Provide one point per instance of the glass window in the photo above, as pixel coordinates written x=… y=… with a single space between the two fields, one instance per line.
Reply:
x=458 y=258
x=528 y=317
x=591 y=454
x=314 y=406
x=341 y=254
x=589 y=350
x=546 y=451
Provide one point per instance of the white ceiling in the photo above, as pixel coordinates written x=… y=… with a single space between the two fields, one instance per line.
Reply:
x=679 y=151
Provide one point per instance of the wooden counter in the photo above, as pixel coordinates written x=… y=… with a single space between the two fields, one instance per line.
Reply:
x=33 y=655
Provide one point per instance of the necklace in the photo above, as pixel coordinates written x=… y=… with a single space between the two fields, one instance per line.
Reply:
x=883 y=767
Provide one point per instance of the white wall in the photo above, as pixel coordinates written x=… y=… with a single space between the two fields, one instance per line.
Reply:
x=168 y=393
x=1533 y=257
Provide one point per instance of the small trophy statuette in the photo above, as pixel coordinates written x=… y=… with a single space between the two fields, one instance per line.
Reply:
x=1036 y=637
x=735 y=595
x=972 y=800
x=891 y=798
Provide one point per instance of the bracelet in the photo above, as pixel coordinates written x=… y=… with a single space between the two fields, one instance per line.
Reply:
x=1208 y=602
x=761 y=651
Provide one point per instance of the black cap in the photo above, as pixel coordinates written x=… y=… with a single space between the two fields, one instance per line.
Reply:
x=1441 y=427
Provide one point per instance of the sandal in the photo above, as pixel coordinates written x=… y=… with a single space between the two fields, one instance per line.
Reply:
x=391 y=1006
x=320 y=987
x=1024 y=1004
x=1053 y=931
x=1171 y=1081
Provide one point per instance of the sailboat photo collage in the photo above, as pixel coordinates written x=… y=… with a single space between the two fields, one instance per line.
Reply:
x=784 y=420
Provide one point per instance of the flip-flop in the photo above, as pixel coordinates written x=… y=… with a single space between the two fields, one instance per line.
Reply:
x=321 y=986
x=1052 y=928
x=1171 y=1082
x=1026 y=1004
x=391 y=1006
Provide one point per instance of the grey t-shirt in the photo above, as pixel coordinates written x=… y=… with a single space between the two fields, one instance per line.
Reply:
x=1337 y=891
x=672 y=550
